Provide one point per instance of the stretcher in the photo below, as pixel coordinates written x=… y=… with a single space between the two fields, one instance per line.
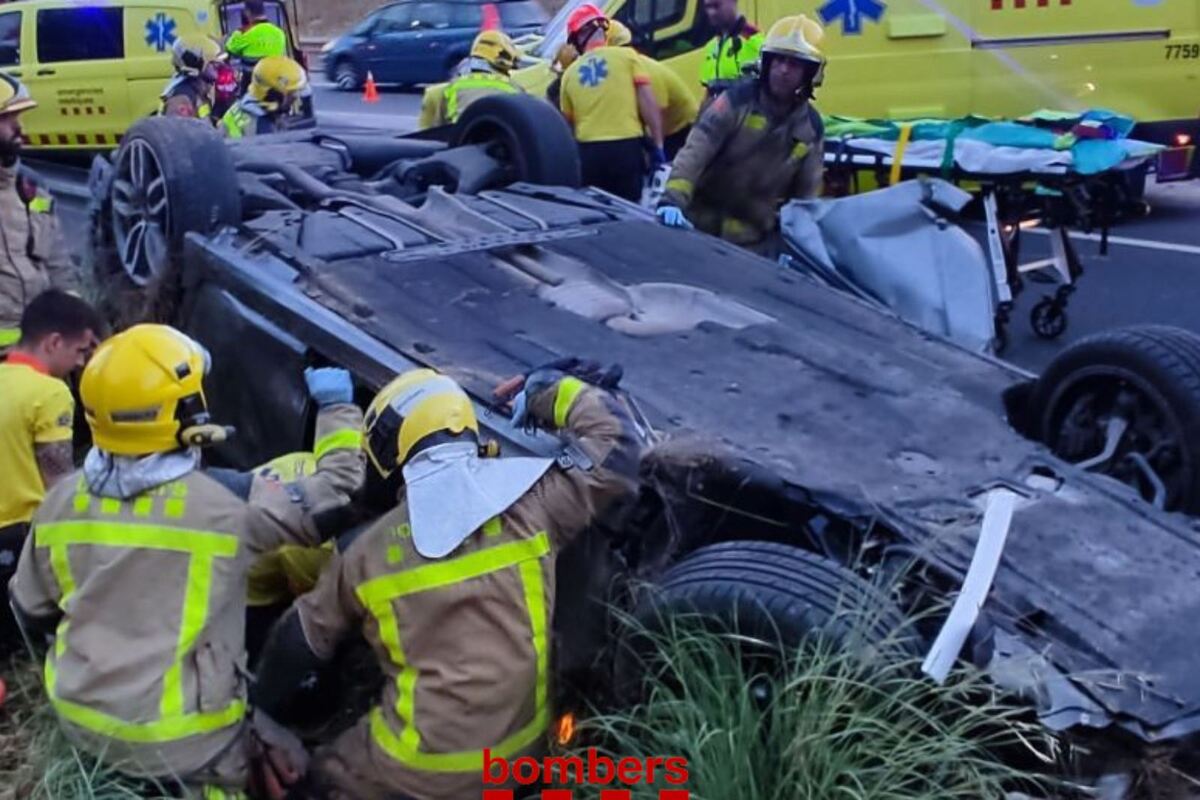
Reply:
x=1017 y=188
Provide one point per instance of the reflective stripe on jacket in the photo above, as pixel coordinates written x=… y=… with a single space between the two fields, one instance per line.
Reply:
x=149 y=597
x=35 y=257
x=466 y=90
x=464 y=640
x=263 y=39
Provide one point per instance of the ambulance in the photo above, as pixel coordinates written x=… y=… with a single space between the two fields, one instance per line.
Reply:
x=902 y=59
x=95 y=68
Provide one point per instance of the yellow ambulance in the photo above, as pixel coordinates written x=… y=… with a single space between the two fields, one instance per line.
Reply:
x=97 y=67
x=948 y=58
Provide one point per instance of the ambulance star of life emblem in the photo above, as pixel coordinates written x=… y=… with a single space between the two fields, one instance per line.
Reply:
x=160 y=31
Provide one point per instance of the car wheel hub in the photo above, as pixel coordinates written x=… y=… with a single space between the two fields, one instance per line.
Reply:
x=141 y=213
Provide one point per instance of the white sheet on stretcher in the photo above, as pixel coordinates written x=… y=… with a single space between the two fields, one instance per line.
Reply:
x=981 y=158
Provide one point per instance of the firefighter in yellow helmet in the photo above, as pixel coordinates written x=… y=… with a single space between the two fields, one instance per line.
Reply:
x=36 y=257
x=454 y=588
x=493 y=56
x=276 y=87
x=190 y=92
x=758 y=145
x=136 y=565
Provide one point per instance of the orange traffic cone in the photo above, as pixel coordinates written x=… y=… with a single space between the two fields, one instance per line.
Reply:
x=370 y=91
x=491 y=17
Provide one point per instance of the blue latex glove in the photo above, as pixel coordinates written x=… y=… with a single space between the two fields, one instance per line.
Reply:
x=657 y=158
x=672 y=217
x=329 y=386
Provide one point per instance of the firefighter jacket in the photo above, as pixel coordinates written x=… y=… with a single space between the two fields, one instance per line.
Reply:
x=445 y=107
x=33 y=256
x=464 y=640
x=187 y=96
x=247 y=117
x=146 y=597
x=742 y=161
x=728 y=55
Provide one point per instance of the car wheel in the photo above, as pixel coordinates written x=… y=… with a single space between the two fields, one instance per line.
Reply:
x=774 y=593
x=170 y=177
x=527 y=132
x=1126 y=403
x=347 y=76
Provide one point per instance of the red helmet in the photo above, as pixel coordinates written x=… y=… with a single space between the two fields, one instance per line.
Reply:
x=583 y=16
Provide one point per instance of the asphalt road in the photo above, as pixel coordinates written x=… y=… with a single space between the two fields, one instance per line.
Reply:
x=1151 y=273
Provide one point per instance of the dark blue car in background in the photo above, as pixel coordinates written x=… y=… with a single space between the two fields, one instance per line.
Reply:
x=418 y=41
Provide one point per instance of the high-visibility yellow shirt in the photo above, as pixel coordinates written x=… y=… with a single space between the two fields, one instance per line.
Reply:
x=599 y=94
x=36 y=409
x=679 y=105
x=262 y=39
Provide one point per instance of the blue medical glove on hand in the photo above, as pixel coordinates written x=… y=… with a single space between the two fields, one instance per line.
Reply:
x=658 y=157
x=329 y=386
x=672 y=217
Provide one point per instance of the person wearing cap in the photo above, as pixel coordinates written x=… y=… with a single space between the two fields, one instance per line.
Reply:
x=454 y=587
x=758 y=145
x=136 y=565
x=34 y=256
x=607 y=97
x=493 y=56
x=678 y=103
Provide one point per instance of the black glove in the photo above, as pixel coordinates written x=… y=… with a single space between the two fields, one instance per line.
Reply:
x=543 y=377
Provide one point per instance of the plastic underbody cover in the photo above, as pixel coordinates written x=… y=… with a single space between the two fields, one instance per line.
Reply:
x=876 y=420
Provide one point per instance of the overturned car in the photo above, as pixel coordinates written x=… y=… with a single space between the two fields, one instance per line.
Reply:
x=805 y=443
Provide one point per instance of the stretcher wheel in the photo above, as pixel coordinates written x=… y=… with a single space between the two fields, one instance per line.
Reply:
x=1048 y=318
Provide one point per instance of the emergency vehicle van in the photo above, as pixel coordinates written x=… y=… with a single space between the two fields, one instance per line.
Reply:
x=948 y=58
x=95 y=68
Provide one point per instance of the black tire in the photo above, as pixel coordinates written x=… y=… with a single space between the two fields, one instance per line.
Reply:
x=348 y=76
x=532 y=134
x=184 y=168
x=1048 y=318
x=779 y=594
x=1150 y=374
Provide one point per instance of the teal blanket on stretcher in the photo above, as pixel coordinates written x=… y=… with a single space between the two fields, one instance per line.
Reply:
x=1097 y=139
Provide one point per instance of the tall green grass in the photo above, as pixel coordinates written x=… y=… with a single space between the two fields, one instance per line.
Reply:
x=826 y=724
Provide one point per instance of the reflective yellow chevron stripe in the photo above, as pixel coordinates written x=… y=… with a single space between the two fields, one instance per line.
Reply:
x=377 y=596
x=569 y=390
x=345 y=439
x=203 y=548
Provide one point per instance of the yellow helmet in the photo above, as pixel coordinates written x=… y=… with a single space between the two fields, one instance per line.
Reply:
x=190 y=54
x=798 y=37
x=142 y=393
x=275 y=79
x=409 y=413
x=14 y=97
x=496 y=49
x=618 y=35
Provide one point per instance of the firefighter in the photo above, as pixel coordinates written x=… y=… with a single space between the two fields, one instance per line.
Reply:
x=454 y=588
x=58 y=333
x=136 y=566
x=679 y=105
x=276 y=86
x=34 y=256
x=607 y=97
x=493 y=56
x=757 y=145
x=733 y=52
x=191 y=91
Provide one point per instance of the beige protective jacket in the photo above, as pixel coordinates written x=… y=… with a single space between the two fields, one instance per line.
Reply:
x=33 y=256
x=742 y=161
x=147 y=665
x=464 y=640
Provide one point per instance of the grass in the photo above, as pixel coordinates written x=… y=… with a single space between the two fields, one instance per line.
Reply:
x=826 y=725
x=36 y=761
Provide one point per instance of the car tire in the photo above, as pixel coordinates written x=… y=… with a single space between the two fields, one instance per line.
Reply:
x=531 y=134
x=1148 y=375
x=775 y=593
x=348 y=76
x=171 y=176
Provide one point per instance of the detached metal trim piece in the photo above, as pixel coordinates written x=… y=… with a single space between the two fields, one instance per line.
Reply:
x=993 y=534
